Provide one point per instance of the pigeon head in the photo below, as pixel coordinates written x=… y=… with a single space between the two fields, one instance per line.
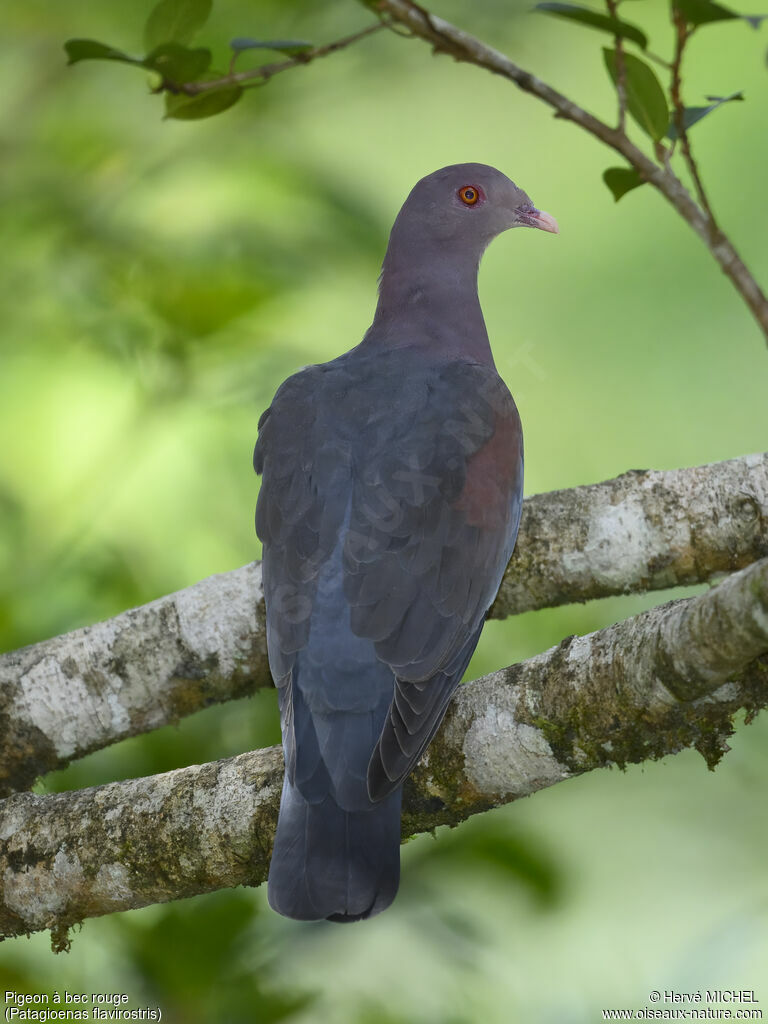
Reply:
x=428 y=285
x=465 y=206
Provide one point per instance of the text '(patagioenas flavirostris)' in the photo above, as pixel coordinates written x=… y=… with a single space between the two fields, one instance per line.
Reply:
x=389 y=508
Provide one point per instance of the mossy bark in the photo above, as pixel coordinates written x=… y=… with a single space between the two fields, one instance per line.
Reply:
x=66 y=697
x=670 y=678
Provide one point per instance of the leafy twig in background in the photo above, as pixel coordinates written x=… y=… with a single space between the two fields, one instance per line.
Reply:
x=298 y=52
x=193 y=91
x=621 y=70
x=682 y=34
x=691 y=115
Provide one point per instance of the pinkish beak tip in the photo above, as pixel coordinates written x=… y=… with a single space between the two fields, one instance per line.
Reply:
x=545 y=221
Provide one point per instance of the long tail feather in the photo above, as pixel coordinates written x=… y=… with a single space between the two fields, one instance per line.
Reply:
x=332 y=863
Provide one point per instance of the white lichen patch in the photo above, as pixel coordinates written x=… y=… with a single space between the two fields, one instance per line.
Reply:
x=11 y=819
x=726 y=693
x=38 y=895
x=112 y=884
x=218 y=617
x=760 y=617
x=228 y=809
x=119 y=719
x=151 y=796
x=508 y=758
x=53 y=703
x=57 y=696
x=579 y=653
x=619 y=544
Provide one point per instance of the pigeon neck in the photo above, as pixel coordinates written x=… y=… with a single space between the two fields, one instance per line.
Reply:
x=429 y=299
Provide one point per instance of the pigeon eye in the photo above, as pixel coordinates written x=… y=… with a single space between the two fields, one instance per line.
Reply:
x=469 y=195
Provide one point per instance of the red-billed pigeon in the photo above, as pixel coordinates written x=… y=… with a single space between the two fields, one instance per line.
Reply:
x=389 y=508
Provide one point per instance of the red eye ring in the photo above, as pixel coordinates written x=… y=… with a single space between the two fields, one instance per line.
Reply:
x=469 y=194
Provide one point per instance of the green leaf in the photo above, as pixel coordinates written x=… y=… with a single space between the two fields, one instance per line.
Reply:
x=621 y=180
x=292 y=47
x=89 y=49
x=595 y=19
x=646 y=101
x=181 y=107
x=175 y=21
x=178 y=64
x=701 y=12
x=693 y=114
x=705 y=12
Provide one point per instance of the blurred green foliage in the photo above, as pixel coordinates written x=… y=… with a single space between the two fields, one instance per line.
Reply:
x=160 y=279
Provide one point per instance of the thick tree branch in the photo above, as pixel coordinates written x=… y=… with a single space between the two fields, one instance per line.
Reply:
x=645 y=530
x=65 y=697
x=446 y=38
x=669 y=678
x=147 y=667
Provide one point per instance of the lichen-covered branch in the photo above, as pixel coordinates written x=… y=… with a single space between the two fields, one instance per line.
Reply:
x=446 y=38
x=670 y=678
x=62 y=698
x=644 y=530
x=70 y=856
x=65 y=697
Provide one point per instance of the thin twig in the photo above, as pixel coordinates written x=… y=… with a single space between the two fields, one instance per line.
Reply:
x=682 y=34
x=267 y=71
x=621 y=69
x=657 y=59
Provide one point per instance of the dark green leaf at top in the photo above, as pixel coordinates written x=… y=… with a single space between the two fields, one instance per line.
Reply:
x=700 y=12
x=181 y=107
x=693 y=114
x=646 y=100
x=595 y=19
x=621 y=180
x=176 y=63
x=89 y=49
x=292 y=47
x=704 y=12
x=175 y=21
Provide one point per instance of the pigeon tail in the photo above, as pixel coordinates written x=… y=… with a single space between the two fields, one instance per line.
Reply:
x=332 y=863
